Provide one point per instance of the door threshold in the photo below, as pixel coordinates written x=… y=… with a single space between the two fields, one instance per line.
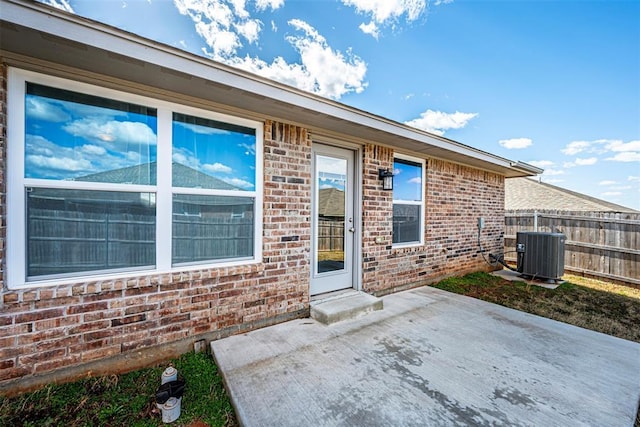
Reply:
x=332 y=295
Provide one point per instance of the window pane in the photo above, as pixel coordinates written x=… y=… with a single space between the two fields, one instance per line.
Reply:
x=73 y=136
x=406 y=223
x=407 y=180
x=212 y=228
x=72 y=231
x=213 y=155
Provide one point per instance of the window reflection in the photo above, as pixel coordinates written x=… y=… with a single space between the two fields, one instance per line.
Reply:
x=330 y=183
x=76 y=230
x=408 y=193
x=213 y=155
x=74 y=136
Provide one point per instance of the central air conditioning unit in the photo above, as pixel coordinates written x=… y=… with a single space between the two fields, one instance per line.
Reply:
x=540 y=255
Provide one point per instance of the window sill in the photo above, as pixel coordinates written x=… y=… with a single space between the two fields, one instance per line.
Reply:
x=131 y=279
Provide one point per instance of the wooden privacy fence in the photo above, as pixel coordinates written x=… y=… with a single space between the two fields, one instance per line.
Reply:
x=330 y=235
x=62 y=241
x=600 y=244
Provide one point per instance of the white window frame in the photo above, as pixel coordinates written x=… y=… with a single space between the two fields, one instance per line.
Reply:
x=15 y=270
x=421 y=203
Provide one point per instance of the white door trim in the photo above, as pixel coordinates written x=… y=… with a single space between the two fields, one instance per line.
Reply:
x=356 y=184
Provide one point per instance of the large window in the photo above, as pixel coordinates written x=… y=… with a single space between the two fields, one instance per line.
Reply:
x=408 y=201
x=103 y=182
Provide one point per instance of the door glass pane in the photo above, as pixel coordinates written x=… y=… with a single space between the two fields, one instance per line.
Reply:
x=331 y=180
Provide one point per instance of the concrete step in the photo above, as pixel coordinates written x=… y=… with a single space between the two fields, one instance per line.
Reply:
x=343 y=306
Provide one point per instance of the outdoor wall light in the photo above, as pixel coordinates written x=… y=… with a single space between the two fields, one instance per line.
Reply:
x=387 y=178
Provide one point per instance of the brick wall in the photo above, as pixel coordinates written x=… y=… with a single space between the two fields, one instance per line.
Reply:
x=45 y=329
x=455 y=197
x=91 y=326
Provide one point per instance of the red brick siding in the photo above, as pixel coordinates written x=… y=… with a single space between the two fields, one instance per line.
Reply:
x=50 y=328
x=455 y=197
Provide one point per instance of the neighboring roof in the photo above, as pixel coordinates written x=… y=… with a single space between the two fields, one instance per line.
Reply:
x=183 y=176
x=528 y=194
x=331 y=202
x=34 y=30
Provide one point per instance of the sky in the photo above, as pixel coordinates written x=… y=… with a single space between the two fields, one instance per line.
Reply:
x=555 y=84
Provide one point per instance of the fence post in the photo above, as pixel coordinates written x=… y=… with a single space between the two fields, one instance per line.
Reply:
x=535 y=221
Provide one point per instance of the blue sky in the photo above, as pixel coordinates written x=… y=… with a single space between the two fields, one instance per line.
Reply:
x=552 y=83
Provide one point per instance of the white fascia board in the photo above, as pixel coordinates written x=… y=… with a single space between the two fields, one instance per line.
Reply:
x=101 y=36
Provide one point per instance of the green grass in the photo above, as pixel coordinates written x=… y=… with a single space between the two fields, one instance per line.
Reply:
x=124 y=400
x=595 y=307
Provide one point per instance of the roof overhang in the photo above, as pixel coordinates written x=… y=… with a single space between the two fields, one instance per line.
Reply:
x=36 y=31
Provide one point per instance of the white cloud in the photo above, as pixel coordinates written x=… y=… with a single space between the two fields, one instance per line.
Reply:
x=59 y=4
x=223 y=24
x=633 y=178
x=437 y=122
x=250 y=30
x=575 y=147
x=272 y=4
x=112 y=131
x=249 y=148
x=626 y=156
x=586 y=162
x=65 y=164
x=47 y=159
x=237 y=182
x=415 y=180
x=179 y=158
x=612 y=193
x=217 y=167
x=133 y=156
x=220 y=23
x=619 y=146
x=371 y=28
x=515 y=143
x=387 y=12
x=607 y=182
x=95 y=150
x=624 y=151
x=323 y=71
x=541 y=163
x=41 y=109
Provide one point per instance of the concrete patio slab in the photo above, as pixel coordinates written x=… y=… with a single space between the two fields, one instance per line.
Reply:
x=431 y=358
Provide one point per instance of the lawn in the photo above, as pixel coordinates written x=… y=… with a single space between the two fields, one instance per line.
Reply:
x=590 y=304
x=125 y=400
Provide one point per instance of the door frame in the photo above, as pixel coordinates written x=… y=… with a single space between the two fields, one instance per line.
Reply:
x=356 y=269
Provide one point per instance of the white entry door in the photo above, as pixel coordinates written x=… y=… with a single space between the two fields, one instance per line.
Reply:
x=333 y=222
